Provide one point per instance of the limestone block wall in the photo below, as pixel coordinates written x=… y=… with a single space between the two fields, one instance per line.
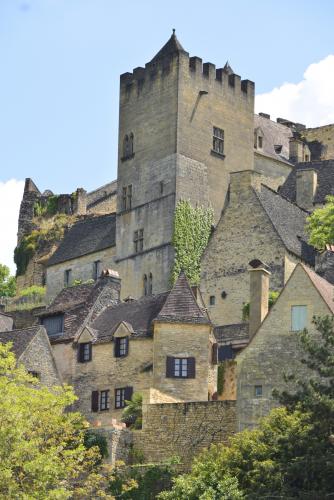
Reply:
x=243 y=233
x=184 y=429
x=38 y=357
x=274 y=172
x=274 y=350
x=325 y=137
x=82 y=269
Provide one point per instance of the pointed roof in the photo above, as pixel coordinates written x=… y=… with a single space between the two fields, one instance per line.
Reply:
x=325 y=288
x=227 y=68
x=170 y=48
x=181 y=305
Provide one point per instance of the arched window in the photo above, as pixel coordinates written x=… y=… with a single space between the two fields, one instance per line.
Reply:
x=150 y=284
x=145 y=284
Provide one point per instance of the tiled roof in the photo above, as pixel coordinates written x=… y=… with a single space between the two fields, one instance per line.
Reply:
x=89 y=235
x=289 y=222
x=20 y=338
x=181 y=304
x=173 y=46
x=139 y=314
x=69 y=297
x=236 y=334
x=325 y=288
x=6 y=322
x=325 y=170
x=274 y=134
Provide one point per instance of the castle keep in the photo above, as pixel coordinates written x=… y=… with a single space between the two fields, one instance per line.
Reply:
x=187 y=131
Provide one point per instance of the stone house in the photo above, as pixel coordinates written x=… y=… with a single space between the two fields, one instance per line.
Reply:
x=273 y=349
x=32 y=348
x=256 y=223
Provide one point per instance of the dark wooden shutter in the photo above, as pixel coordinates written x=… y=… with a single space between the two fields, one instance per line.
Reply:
x=215 y=353
x=80 y=353
x=90 y=351
x=116 y=347
x=191 y=368
x=128 y=391
x=127 y=346
x=169 y=366
x=95 y=400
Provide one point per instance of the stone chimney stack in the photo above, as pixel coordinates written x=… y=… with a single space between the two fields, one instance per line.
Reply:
x=324 y=264
x=241 y=184
x=259 y=294
x=80 y=206
x=296 y=150
x=306 y=186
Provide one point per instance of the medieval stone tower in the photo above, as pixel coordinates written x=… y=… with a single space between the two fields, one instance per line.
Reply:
x=183 y=127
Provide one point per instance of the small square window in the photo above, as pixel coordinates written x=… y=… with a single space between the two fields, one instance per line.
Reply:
x=258 y=391
x=180 y=367
x=104 y=400
x=212 y=300
x=298 y=318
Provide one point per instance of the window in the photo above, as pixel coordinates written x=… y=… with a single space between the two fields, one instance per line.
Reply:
x=258 y=391
x=260 y=142
x=307 y=158
x=138 y=240
x=298 y=318
x=145 y=284
x=212 y=300
x=122 y=395
x=127 y=197
x=96 y=269
x=54 y=325
x=150 y=284
x=128 y=150
x=104 y=400
x=121 y=347
x=218 y=140
x=67 y=277
x=180 y=367
x=85 y=352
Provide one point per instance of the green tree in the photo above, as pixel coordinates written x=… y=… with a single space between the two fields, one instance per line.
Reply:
x=42 y=452
x=7 y=282
x=191 y=232
x=320 y=225
x=133 y=413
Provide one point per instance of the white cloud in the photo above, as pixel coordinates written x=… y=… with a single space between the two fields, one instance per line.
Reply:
x=10 y=198
x=310 y=101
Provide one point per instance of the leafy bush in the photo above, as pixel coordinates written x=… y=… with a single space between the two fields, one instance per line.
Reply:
x=133 y=413
x=33 y=291
x=320 y=225
x=7 y=282
x=92 y=438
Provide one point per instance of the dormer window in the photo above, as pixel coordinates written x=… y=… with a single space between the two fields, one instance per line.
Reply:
x=54 y=325
x=128 y=146
x=84 y=352
x=258 y=138
x=121 y=347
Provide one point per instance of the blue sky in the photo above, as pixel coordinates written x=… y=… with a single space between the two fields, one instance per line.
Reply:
x=61 y=60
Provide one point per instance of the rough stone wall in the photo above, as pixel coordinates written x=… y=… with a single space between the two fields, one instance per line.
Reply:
x=183 y=340
x=274 y=172
x=25 y=318
x=119 y=441
x=274 y=350
x=105 y=206
x=82 y=269
x=230 y=382
x=38 y=357
x=106 y=372
x=323 y=135
x=226 y=105
x=243 y=233
x=184 y=429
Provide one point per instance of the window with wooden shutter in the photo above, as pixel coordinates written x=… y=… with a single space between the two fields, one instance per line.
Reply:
x=95 y=400
x=180 y=367
x=104 y=400
x=84 y=352
x=169 y=367
x=191 y=368
x=128 y=393
x=121 y=347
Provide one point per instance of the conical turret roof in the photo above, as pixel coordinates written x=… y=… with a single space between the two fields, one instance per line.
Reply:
x=228 y=69
x=170 y=48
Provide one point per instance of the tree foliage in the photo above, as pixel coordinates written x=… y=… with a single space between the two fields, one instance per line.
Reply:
x=320 y=225
x=7 y=282
x=42 y=452
x=191 y=232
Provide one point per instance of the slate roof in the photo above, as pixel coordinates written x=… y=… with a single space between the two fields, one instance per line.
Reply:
x=325 y=288
x=68 y=298
x=6 y=322
x=289 y=221
x=274 y=134
x=92 y=234
x=139 y=314
x=236 y=334
x=181 y=305
x=170 y=48
x=20 y=338
x=325 y=170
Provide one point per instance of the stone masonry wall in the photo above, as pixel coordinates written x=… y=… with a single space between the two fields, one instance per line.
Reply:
x=184 y=429
x=323 y=135
x=274 y=350
x=274 y=172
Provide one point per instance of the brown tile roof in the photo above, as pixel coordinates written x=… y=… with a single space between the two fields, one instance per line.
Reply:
x=181 y=305
x=325 y=288
x=6 y=322
x=236 y=334
x=20 y=338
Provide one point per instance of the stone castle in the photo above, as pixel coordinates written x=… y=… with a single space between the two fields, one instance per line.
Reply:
x=187 y=131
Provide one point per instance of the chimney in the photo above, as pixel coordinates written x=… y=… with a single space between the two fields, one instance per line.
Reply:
x=80 y=206
x=306 y=186
x=324 y=264
x=296 y=149
x=241 y=184
x=259 y=294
